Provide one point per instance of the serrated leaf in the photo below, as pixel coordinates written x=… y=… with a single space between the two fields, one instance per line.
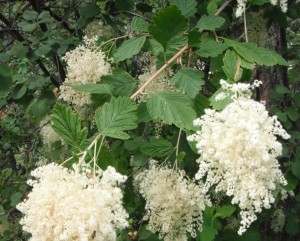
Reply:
x=67 y=124
x=139 y=24
x=189 y=80
x=116 y=117
x=157 y=148
x=201 y=103
x=232 y=66
x=172 y=108
x=94 y=88
x=210 y=22
x=224 y=211
x=210 y=48
x=187 y=7
x=122 y=82
x=167 y=24
x=254 y=54
x=129 y=48
x=155 y=47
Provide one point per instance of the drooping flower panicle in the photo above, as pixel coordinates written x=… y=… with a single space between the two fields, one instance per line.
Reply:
x=69 y=205
x=239 y=151
x=175 y=204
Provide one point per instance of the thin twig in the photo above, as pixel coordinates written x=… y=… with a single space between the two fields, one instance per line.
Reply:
x=153 y=77
x=245 y=27
x=181 y=51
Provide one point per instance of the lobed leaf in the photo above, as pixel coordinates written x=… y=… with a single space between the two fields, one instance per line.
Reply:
x=189 y=80
x=129 y=48
x=67 y=124
x=117 y=116
x=172 y=108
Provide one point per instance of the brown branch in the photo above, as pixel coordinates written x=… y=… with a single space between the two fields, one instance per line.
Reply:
x=181 y=51
x=153 y=77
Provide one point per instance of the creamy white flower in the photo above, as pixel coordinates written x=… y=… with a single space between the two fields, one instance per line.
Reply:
x=85 y=65
x=97 y=28
x=239 y=151
x=69 y=205
x=175 y=204
x=48 y=135
x=278 y=220
x=242 y=6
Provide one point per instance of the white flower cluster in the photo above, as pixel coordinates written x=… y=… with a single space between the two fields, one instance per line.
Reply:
x=237 y=90
x=278 y=220
x=49 y=136
x=69 y=205
x=175 y=204
x=242 y=6
x=97 y=28
x=238 y=148
x=85 y=65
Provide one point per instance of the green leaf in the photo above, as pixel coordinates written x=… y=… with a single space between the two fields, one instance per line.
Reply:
x=292 y=225
x=292 y=113
x=201 y=103
x=6 y=79
x=67 y=124
x=210 y=22
x=117 y=116
x=30 y=15
x=142 y=113
x=27 y=27
x=167 y=24
x=157 y=148
x=295 y=167
x=42 y=104
x=122 y=82
x=280 y=88
x=254 y=54
x=43 y=50
x=208 y=233
x=212 y=7
x=189 y=80
x=292 y=181
x=144 y=233
x=231 y=63
x=187 y=7
x=210 y=48
x=219 y=104
x=172 y=108
x=134 y=144
x=19 y=91
x=129 y=48
x=94 y=88
x=44 y=17
x=139 y=160
x=139 y=24
x=89 y=11
x=224 y=211
x=155 y=47
x=21 y=51
x=15 y=198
